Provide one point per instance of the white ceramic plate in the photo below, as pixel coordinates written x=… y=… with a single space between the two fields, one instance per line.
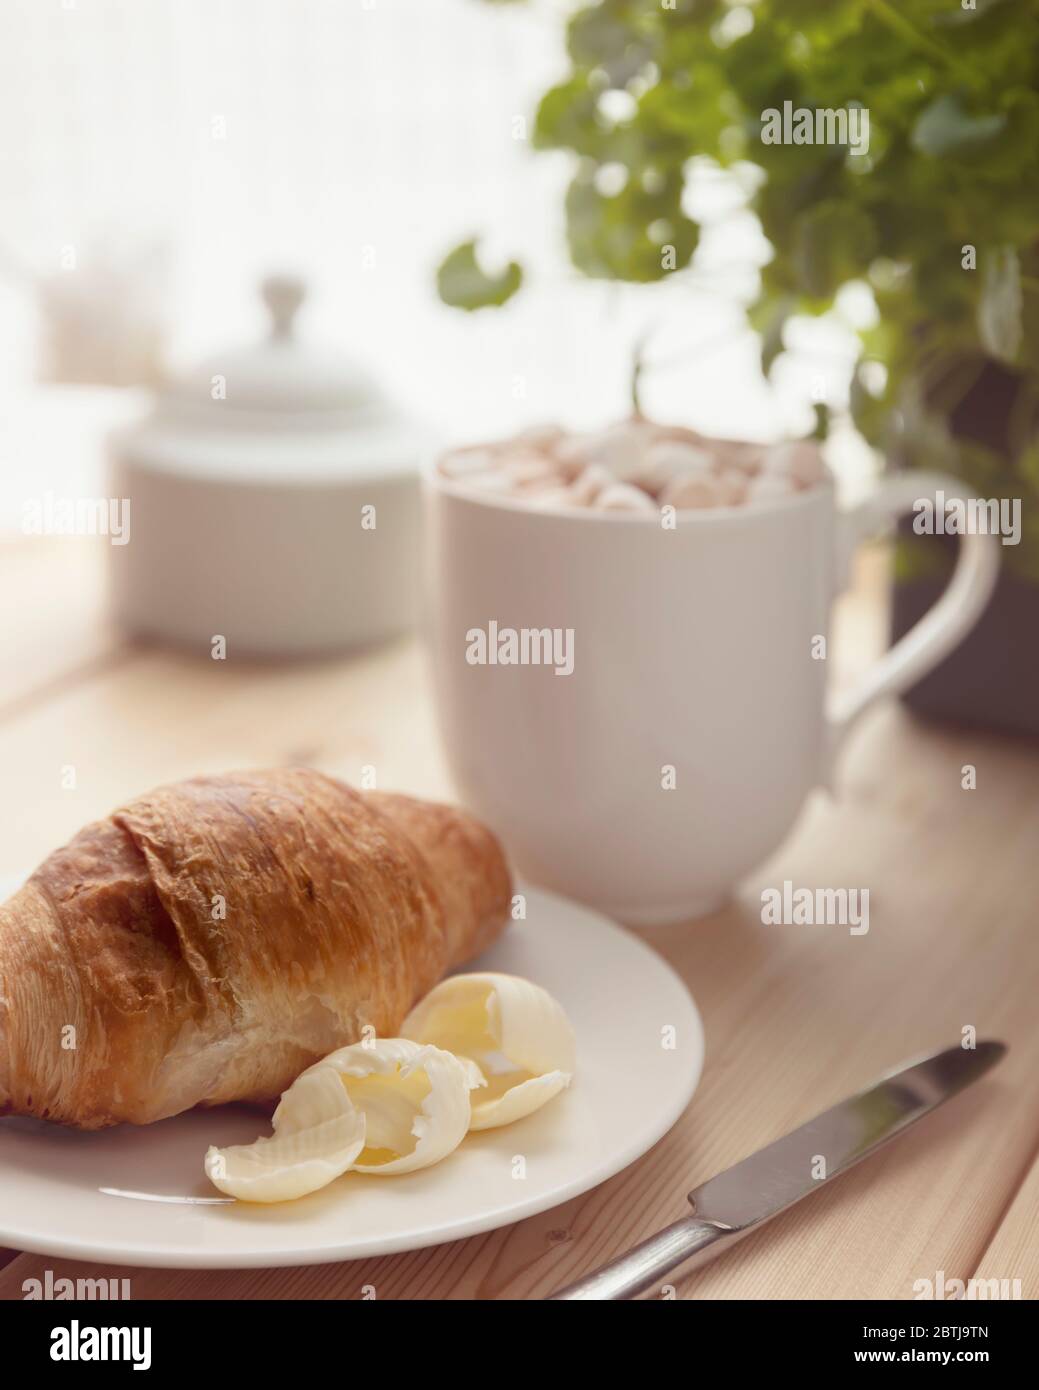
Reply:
x=70 y=1194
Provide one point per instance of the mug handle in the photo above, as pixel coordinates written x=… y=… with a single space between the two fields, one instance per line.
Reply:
x=942 y=627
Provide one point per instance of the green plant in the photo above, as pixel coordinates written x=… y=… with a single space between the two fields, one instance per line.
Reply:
x=940 y=216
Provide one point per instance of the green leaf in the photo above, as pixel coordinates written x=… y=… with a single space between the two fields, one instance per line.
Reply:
x=636 y=234
x=612 y=38
x=944 y=127
x=835 y=243
x=463 y=284
x=1000 y=305
x=769 y=318
x=566 y=119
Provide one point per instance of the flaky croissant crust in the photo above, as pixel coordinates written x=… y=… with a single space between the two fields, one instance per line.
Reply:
x=211 y=939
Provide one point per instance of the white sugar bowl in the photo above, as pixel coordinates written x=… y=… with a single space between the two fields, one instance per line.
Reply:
x=274 y=502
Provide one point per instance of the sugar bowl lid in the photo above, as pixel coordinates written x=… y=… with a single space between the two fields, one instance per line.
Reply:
x=283 y=410
x=283 y=380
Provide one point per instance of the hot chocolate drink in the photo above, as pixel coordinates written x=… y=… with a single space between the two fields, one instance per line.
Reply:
x=636 y=465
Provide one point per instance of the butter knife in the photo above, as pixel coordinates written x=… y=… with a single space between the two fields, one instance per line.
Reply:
x=728 y=1207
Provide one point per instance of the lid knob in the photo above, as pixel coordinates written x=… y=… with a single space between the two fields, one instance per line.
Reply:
x=283 y=294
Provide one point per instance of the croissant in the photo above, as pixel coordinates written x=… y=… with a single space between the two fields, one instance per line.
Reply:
x=213 y=938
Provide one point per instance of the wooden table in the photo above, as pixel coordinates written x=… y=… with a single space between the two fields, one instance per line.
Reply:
x=795 y=1016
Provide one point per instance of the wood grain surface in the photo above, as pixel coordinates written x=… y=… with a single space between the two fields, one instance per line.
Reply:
x=795 y=1017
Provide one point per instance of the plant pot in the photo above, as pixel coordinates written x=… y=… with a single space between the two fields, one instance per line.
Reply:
x=991 y=680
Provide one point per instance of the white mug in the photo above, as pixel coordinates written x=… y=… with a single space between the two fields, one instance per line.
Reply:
x=675 y=753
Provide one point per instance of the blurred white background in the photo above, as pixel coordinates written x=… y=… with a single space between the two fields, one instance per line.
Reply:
x=206 y=142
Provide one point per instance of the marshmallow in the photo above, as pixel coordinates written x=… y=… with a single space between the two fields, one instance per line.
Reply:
x=589 y=484
x=747 y=458
x=527 y=469
x=695 y=491
x=668 y=459
x=620 y=449
x=541 y=436
x=732 y=484
x=681 y=434
x=546 y=498
x=464 y=462
x=622 y=497
x=799 y=460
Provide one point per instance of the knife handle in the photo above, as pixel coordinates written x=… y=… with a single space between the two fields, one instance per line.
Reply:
x=642 y=1267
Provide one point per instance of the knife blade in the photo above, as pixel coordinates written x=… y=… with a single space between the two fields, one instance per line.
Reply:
x=742 y=1198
